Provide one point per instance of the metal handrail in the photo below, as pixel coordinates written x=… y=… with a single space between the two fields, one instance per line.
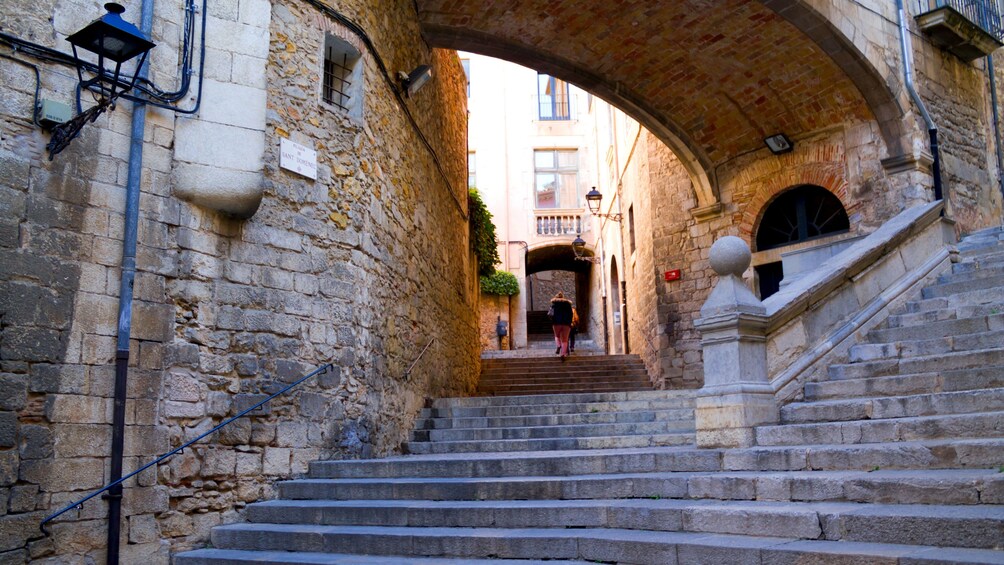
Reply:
x=415 y=362
x=78 y=504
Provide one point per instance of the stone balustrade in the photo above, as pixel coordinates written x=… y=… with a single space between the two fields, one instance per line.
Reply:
x=758 y=355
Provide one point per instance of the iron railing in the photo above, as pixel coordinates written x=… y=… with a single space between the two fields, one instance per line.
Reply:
x=78 y=504
x=986 y=14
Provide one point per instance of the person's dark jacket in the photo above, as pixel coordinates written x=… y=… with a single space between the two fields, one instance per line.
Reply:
x=562 y=312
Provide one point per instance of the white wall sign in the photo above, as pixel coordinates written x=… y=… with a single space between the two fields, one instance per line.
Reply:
x=298 y=158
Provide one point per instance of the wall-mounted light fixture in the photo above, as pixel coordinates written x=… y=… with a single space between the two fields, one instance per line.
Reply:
x=593 y=199
x=578 y=247
x=112 y=39
x=779 y=143
x=412 y=82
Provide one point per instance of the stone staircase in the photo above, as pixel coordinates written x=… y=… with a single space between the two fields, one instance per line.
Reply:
x=551 y=375
x=896 y=458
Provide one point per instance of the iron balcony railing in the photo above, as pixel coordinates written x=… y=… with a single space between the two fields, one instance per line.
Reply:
x=986 y=14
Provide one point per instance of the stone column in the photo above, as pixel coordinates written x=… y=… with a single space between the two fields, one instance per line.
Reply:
x=737 y=395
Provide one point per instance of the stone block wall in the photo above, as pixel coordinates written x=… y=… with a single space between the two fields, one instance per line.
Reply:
x=493 y=309
x=359 y=268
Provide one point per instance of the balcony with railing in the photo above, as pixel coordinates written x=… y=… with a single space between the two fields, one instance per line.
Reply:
x=970 y=29
x=558 y=222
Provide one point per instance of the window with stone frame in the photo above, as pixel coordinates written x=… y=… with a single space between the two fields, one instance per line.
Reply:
x=342 y=80
x=556 y=178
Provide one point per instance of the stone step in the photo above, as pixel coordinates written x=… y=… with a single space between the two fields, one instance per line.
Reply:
x=979 y=425
x=982 y=241
x=558 y=380
x=237 y=557
x=965 y=285
x=554 y=361
x=556 y=431
x=953 y=486
x=548 y=400
x=552 y=444
x=981 y=261
x=531 y=389
x=962 y=402
x=591 y=417
x=932 y=454
x=973 y=526
x=930 y=316
x=983 y=272
x=605 y=545
x=993 y=295
x=909 y=349
x=534 y=409
x=917 y=383
x=561 y=374
x=911 y=365
x=936 y=330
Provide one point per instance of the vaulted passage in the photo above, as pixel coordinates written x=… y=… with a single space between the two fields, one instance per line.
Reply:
x=711 y=79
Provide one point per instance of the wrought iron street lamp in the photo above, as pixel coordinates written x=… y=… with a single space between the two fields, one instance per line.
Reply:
x=578 y=247
x=113 y=40
x=593 y=199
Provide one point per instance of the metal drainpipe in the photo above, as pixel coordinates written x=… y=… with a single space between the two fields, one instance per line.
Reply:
x=907 y=48
x=997 y=127
x=114 y=495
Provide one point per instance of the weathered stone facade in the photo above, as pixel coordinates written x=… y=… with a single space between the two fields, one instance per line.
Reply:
x=359 y=268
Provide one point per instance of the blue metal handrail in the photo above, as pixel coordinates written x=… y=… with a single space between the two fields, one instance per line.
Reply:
x=319 y=371
x=986 y=14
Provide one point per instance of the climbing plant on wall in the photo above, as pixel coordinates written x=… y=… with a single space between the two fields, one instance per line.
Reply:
x=483 y=234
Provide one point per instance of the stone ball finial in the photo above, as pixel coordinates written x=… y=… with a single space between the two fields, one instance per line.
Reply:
x=730 y=256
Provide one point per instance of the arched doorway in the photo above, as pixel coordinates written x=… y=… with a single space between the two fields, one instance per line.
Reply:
x=616 y=319
x=550 y=269
x=799 y=214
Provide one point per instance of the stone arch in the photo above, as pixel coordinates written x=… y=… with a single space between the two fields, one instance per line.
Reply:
x=825 y=167
x=711 y=80
x=884 y=104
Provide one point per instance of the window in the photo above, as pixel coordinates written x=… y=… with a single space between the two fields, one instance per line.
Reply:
x=467 y=73
x=631 y=227
x=553 y=98
x=802 y=213
x=799 y=214
x=342 y=83
x=556 y=178
x=472 y=171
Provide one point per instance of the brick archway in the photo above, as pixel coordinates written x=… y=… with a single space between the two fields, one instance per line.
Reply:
x=711 y=80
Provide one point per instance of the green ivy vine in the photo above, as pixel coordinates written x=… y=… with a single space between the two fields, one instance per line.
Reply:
x=483 y=234
x=502 y=283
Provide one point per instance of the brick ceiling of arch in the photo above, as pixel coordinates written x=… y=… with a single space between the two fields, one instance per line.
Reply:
x=711 y=78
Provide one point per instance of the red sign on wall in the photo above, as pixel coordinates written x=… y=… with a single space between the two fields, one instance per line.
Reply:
x=673 y=275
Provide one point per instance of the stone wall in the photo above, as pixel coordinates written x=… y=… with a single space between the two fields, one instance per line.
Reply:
x=547 y=284
x=359 y=269
x=493 y=309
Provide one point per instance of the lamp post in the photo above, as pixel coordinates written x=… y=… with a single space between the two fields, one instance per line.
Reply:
x=112 y=39
x=578 y=246
x=593 y=200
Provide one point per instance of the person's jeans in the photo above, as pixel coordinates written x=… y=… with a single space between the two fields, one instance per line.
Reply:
x=561 y=337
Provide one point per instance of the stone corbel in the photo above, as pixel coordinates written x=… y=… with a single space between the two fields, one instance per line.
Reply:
x=234 y=193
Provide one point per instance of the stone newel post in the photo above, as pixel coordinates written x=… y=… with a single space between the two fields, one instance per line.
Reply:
x=736 y=395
